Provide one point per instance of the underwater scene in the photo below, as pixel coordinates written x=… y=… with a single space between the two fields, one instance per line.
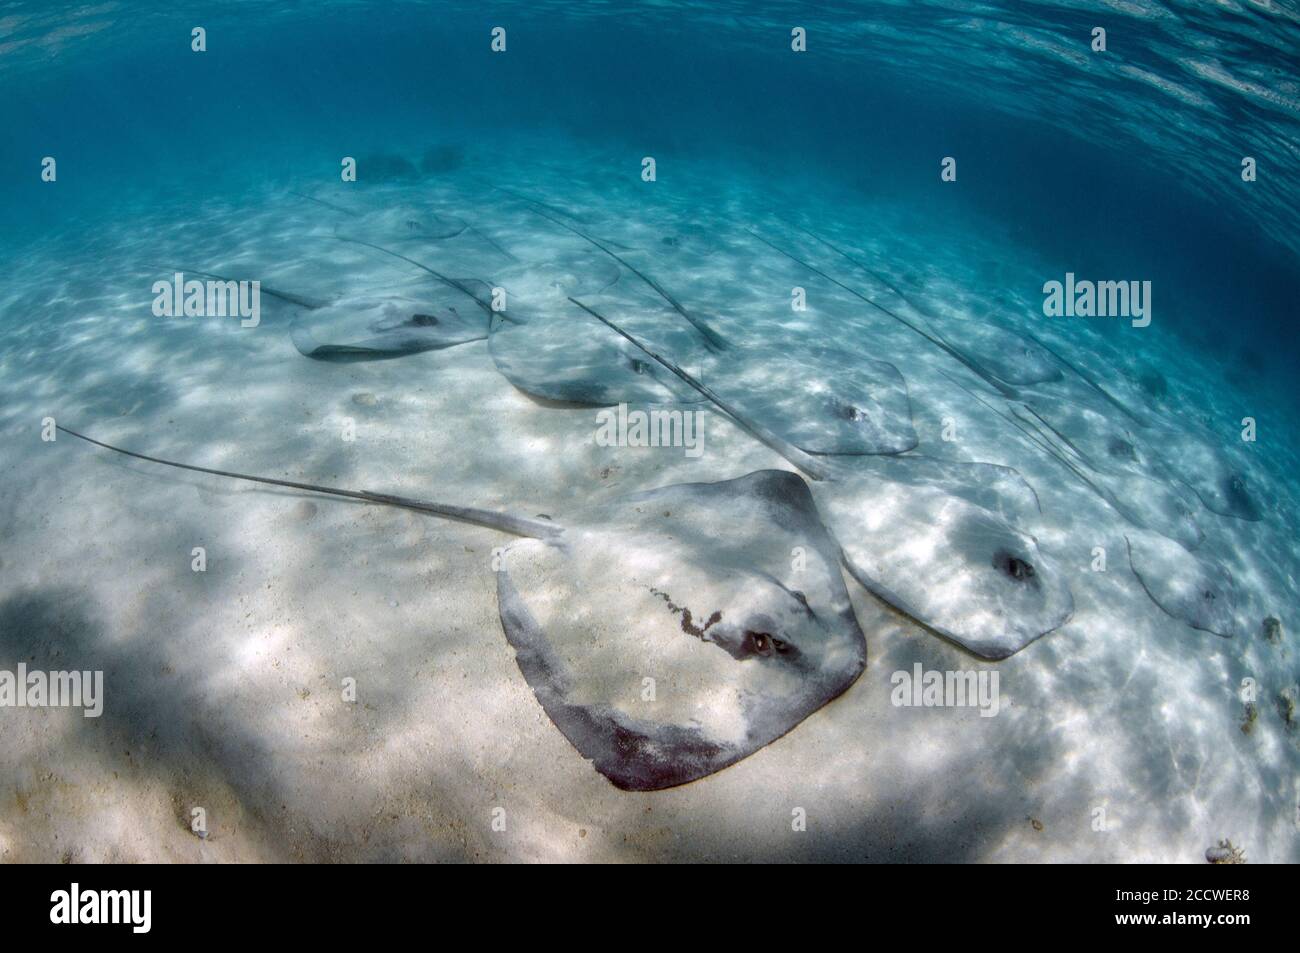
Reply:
x=661 y=432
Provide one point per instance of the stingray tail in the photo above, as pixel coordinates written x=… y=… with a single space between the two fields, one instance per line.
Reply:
x=933 y=338
x=330 y=205
x=506 y=522
x=804 y=462
x=302 y=301
x=455 y=283
x=712 y=339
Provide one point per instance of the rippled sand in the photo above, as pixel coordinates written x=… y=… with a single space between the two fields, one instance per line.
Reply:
x=224 y=687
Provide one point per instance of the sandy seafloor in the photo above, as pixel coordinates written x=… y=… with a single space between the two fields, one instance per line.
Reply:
x=223 y=687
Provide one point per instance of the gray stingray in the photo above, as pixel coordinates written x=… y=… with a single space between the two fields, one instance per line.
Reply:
x=557 y=352
x=820 y=398
x=378 y=325
x=1146 y=502
x=998 y=356
x=1194 y=458
x=689 y=589
x=1010 y=357
x=392 y=222
x=1186 y=587
x=411 y=226
x=953 y=565
x=1100 y=440
x=400 y=223
x=1002 y=353
x=371 y=327
x=816 y=397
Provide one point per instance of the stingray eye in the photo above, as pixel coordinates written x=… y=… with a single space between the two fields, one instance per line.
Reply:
x=1237 y=484
x=423 y=320
x=638 y=367
x=761 y=642
x=1121 y=448
x=412 y=224
x=1209 y=595
x=1013 y=566
x=848 y=412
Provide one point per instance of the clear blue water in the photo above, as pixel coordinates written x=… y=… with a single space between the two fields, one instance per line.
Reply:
x=1124 y=163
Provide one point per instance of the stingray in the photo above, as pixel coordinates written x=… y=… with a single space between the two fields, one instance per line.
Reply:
x=383 y=325
x=405 y=225
x=394 y=326
x=1146 y=502
x=817 y=397
x=1219 y=484
x=401 y=223
x=998 y=357
x=666 y=633
x=1185 y=587
x=950 y=564
x=820 y=398
x=1099 y=440
x=556 y=353
x=1010 y=357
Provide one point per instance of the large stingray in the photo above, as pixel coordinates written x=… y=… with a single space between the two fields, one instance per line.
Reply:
x=404 y=224
x=666 y=633
x=951 y=564
x=371 y=327
x=1004 y=354
x=1097 y=438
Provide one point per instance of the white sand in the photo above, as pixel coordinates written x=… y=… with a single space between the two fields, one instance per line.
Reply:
x=223 y=688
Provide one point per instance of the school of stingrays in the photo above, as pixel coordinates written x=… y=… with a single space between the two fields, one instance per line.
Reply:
x=694 y=584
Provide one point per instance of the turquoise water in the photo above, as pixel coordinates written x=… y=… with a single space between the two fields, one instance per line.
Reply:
x=775 y=170
x=1109 y=163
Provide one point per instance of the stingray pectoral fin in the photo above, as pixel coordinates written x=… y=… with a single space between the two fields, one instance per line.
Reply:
x=635 y=755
